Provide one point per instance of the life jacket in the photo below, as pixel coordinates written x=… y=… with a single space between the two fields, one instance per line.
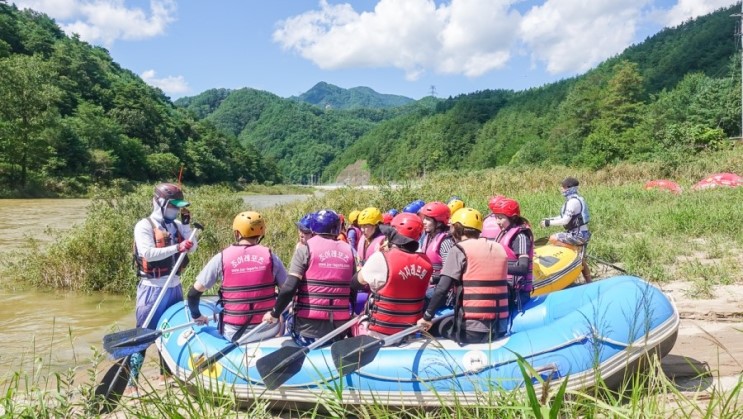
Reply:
x=484 y=284
x=325 y=291
x=490 y=227
x=399 y=303
x=578 y=221
x=162 y=267
x=432 y=250
x=248 y=287
x=363 y=252
x=358 y=234
x=525 y=283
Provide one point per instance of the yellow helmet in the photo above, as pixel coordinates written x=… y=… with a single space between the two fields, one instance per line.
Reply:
x=468 y=217
x=370 y=216
x=353 y=216
x=249 y=224
x=455 y=205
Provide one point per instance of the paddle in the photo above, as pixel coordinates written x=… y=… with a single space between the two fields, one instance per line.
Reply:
x=603 y=262
x=108 y=392
x=353 y=353
x=201 y=364
x=128 y=342
x=541 y=241
x=281 y=364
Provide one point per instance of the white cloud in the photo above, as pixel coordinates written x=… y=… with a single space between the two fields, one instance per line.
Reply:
x=689 y=9
x=469 y=37
x=474 y=37
x=575 y=35
x=172 y=85
x=105 y=21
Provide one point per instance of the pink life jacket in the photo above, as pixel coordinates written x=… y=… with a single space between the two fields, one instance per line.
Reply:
x=490 y=228
x=325 y=291
x=248 y=287
x=432 y=249
x=525 y=284
x=363 y=252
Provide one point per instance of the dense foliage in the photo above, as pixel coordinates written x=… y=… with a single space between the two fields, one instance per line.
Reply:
x=328 y=96
x=671 y=96
x=70 y=117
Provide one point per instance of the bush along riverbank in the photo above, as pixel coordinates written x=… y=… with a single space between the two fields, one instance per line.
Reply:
x=664 y=238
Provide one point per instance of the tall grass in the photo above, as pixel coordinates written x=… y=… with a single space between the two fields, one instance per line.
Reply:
x=694 y=236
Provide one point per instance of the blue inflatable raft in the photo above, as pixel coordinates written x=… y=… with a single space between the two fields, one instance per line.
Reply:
x=603 y=329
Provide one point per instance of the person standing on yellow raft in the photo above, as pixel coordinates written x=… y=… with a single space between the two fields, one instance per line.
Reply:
x=574 y=217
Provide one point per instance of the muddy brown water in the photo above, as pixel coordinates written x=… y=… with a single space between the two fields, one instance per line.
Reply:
x=53 y=329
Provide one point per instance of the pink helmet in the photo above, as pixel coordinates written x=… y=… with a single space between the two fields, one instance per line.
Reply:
x=437 y=210
x=505 y=206
x=409 y=225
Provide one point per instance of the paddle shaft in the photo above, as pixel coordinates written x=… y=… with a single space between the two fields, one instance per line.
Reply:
x=603 y=262
x=201 y=366
x=327 y=338
x=150 y=337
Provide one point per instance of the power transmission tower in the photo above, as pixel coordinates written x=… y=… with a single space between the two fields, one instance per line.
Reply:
x=433 y=90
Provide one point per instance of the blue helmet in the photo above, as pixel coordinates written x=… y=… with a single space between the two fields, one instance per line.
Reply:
x=305 y=223
x=453 y=198
x=326 y=222
x=414 y=206
x=393 y=212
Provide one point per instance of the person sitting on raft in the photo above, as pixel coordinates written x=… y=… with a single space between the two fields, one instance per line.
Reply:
x=574 y=217
x=436 y=240
x=518 y=240
x=250 y=273
x=454 y=203
x=353 y=233
x=369 y=221
x=397 y=277
x=320 y=275
x=479 y=268
x=304 y=229
x=490 y=226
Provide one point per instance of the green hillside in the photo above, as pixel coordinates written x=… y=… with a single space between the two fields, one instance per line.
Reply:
x=70 y=118
x=328 y=96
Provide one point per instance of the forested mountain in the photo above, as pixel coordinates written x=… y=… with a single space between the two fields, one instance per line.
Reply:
x=328 y=96
x=70 y=117
x=674 y=94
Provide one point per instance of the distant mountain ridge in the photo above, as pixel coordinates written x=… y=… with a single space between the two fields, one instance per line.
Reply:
x=328 y=96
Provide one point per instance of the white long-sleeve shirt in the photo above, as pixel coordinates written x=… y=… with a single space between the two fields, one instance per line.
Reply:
x=146 y=249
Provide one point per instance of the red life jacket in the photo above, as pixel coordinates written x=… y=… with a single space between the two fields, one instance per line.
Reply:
x=363 y=252
x=484 y=283
x=248 y=287
x=325 y=291
x=162 y=267
x=490 y=227
x=432 y=249
x=399 y=303
x=525 y=284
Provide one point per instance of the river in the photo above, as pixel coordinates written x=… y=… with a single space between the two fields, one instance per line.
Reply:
x=53 y=328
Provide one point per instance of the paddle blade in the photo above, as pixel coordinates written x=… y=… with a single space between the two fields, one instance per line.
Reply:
x=118 y=353
x=352 y=354
x=131 y=337
x=108 y=392
x=280 y=365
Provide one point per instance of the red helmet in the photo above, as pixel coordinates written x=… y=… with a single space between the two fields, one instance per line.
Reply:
x=493 y=203
x=439 y=211
x=409 y=225
x=386 y=218
x=505 y=206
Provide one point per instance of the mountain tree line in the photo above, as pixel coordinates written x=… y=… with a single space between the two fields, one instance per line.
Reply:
x=70 y=117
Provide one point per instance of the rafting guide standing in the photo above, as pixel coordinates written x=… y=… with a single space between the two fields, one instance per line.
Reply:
x=159 y=239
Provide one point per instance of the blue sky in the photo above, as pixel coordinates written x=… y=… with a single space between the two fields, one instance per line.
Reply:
x=399 y=47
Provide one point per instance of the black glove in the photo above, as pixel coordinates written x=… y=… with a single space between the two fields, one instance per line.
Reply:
x=185 y=216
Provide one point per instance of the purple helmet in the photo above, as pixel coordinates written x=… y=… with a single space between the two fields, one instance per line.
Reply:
x=326 y=222
x=414 y=206
x=305 y=223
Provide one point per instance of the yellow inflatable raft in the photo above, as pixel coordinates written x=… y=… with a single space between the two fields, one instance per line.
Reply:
x=555 y=267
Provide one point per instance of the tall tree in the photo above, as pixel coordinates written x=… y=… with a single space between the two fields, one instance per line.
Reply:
x=28 y=111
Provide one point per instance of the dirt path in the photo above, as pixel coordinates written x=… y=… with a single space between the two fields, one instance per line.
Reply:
x=710 y=337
